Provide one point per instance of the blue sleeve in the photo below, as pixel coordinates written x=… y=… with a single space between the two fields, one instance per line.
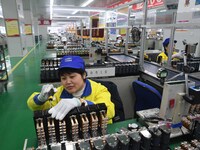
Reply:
x=36 y=100
x=89 y=102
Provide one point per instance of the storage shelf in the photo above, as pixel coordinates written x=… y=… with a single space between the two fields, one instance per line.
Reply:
x=3 y=71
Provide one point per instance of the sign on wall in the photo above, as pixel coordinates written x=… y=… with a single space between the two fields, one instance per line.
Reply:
x=12 y=27
x=151 y=3
x=28 y=29
x=44 y=22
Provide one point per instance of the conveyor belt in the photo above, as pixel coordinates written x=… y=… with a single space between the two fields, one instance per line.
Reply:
x=152 y=68
x=122 y=58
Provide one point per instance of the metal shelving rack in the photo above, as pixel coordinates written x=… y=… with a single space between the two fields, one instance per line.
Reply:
x=3 y=70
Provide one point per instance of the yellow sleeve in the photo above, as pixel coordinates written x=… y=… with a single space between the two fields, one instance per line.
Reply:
x=48 y=104
x=101 y=94
x=33 y=106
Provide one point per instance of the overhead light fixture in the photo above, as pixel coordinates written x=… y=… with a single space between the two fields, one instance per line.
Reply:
x=1 y=13
x=69 y=16
x=51 y=9
x=86 y=3
x=80 y=9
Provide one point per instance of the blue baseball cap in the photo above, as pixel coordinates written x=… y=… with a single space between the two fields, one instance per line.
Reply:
x=166 y=42
x=75 y=62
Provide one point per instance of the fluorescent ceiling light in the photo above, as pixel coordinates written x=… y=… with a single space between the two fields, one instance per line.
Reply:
x=81 y=9
x=68 y=16
x=51 y=8
x=86 y=3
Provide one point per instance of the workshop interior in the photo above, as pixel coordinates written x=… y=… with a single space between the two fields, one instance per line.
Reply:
x=145 y=52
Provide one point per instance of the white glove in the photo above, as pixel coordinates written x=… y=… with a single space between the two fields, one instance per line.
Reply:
x=63 y=107
x=177 y=55
x=45 y=92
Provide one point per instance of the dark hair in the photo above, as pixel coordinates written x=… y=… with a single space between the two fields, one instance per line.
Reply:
x=63 y=71
x=166 y=49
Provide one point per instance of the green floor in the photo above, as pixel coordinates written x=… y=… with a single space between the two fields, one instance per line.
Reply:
x=16 y=120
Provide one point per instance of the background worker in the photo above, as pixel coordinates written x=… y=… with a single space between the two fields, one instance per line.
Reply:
x=74 y=91
x=163 y=56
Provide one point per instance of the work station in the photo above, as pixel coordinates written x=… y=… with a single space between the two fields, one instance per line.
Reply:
x=90 y=74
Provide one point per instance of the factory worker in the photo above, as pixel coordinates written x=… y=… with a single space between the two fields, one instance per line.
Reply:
x=163 y=56
x=75 y=90
x=119 y=40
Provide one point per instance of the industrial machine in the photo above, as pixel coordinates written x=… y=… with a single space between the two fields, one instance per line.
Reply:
x=180 y=103
x=80 y=123
x=85 y=127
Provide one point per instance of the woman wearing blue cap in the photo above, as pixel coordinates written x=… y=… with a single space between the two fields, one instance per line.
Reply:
x=163 y=56
x=74 y=91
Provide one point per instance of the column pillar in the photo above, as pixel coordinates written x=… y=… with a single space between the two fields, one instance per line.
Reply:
x=36 y=29
x=29 y=28
x=14 y=23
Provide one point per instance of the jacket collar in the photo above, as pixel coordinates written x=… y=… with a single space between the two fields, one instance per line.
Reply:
x=87 y=91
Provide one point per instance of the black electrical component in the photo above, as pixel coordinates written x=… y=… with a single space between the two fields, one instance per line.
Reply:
x=123 y=142
x=83 y=145
x=165 y=137
x=145 y=139
x=111 y=143
x=97 y=144
x=135 y=141
x=156 y=138
x=196 y=130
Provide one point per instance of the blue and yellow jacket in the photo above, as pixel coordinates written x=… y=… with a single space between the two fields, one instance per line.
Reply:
x=162 y=57
x=94 y=92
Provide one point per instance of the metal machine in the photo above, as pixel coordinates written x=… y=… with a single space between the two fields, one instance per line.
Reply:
x=190 y=48
x=173 y=106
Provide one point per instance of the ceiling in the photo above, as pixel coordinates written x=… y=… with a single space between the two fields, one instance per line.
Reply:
x=41 y=8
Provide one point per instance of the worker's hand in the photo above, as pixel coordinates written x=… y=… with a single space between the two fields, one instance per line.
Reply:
x=177 y=55
x=47 y=90
x=63 y=107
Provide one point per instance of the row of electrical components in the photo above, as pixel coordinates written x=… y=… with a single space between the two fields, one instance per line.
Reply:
x=80 y=123
x=75 y=49
x=193 y=145
x=74 y=46
x=194 y=66
x=49 y=68
x=152 y=138
x=191 y=121
x=133 y=140
x=82 y=52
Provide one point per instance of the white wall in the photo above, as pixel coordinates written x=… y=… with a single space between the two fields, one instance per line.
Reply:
x=189 y=14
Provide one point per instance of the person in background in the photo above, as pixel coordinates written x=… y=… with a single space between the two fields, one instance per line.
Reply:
x=75 y=90
x=163 y=56
x=119 y=40
x=65 y=45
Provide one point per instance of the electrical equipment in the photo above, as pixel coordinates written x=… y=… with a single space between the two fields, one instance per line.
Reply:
x=190 y=49
x=172 y=101
x=72 y=51
x=49 y=70
x=194 y=92
x=193 y=144
x=80 y=123
x=85 y=128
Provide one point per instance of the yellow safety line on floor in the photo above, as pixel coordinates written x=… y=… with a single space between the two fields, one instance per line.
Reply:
x=10 y=72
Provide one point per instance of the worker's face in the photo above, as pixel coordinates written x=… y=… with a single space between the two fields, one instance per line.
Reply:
x=73 y=82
